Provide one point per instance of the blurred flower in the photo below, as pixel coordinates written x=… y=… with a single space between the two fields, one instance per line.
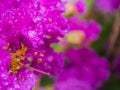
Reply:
x=68 y=80
x=81 y=6
x=90 y=28
x=107 y=5
x=91 y=68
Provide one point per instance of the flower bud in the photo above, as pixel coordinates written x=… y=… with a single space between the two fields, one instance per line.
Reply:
x=75 y=38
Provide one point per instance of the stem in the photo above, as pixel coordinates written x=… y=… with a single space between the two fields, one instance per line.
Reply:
x=34 y=69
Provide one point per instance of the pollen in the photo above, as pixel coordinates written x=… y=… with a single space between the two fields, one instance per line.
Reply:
x=16 y=57
x=42 y=55
x=35 y=53
x=39 y=60
x=5 y=47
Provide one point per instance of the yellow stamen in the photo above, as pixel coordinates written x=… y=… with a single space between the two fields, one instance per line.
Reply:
x=39 y=60
x=16 y=57
x=19 y=55
x=42 y=55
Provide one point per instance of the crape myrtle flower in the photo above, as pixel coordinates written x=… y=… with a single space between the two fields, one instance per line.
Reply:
x=91 y=68
x=107 y=5
x=24 y=80
x=26 y=32
x=21 y=61
x=84 y=31
x=81 y=33
x=69 y=80
x=87 y=30
x=90 y=27
x=116 y=65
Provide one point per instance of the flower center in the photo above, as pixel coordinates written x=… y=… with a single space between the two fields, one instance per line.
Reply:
x=16 y=57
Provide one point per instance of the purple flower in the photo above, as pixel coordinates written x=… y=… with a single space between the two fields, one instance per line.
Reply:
x=26 y=33
x=92 y=68
x=69 y=80
x=25 y=79
x=89 y=27
x=107 y=5
x=34 y=27
x=21 y=61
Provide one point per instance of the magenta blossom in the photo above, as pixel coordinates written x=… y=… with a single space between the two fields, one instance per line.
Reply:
x=69 y=80
x=25 y=79
x=91 y=68
x=107 y=5
x=91 y=28
x=27 y=28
